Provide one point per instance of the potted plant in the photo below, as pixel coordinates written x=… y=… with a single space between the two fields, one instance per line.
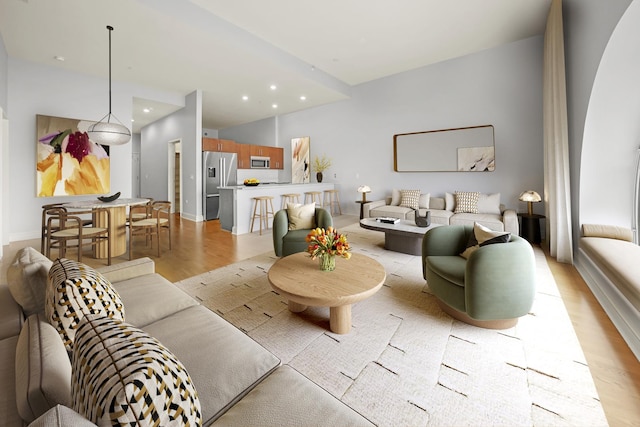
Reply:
x=320 y=164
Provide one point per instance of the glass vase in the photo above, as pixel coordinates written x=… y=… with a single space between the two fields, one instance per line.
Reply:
x=327 y=262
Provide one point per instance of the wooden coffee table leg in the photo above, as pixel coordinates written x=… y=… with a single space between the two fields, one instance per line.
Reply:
x=340 y=319
x=295 y=307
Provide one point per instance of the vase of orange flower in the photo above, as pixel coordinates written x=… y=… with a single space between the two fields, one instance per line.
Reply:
x=326 y=245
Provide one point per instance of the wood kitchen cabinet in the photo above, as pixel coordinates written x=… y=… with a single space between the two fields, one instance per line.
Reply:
x=277 y=157
x=221 y=145
x=244 y=156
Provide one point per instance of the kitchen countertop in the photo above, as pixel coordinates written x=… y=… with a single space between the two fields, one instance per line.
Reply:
x=266 y=185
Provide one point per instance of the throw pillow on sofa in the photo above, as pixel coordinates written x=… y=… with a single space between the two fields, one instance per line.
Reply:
x=74 y=291
x=301 y=216
x=27 y=279
x=410 y=198
x=466 y=201
x=483 y=236
x=489 y=204
x=123 y=376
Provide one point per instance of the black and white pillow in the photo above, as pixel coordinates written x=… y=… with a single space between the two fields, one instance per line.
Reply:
x=122 y=376
x=466 y=201
x=410 y=198
x=483 y=236
x=74 y=291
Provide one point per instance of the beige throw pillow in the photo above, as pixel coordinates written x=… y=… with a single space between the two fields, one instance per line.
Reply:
x=27 y=279
x=466 y=202
x=410 y=198
x=489 y=204
x=395 y=197
x=483 y=236
x=301 y=216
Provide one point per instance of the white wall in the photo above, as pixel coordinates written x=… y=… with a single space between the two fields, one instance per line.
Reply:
x=36 y=89
x=612 y=129
x=500 y=86
x=186 y=125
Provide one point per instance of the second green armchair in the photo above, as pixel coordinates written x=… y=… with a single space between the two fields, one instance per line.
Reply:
x=287 y=242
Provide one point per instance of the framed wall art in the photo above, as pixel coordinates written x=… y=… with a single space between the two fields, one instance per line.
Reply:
x=68 y=163
x=300 y=167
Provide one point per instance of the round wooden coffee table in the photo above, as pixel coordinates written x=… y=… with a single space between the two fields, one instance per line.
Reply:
x=299 y=279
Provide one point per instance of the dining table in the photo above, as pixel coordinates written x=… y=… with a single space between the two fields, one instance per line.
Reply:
x=118 y=227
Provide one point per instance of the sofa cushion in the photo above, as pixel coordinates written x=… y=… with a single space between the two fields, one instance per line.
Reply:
x=466 y=201
x=483 y=236
x=494 y=222
x=11 y=317
x=27 y=279
x=303 y=404
x=123 y=376
x=607 y=231
x=450 y=202
x=61 y=416
x=410 y=198
x=75 y=290
x=233 y=365
x=489 y=204
x=301 y=216
x=391 y=211
x=151 y=297
x=439 y=216
x=43 y=369
x=9 y=415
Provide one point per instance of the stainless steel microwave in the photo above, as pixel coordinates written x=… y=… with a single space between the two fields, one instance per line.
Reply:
x=260 y=162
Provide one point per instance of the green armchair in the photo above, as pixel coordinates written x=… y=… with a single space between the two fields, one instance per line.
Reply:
x=287 y=242
x=491 y=289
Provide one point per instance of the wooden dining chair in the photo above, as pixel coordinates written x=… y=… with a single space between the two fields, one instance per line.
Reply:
x=150 y=227
x=67 y=230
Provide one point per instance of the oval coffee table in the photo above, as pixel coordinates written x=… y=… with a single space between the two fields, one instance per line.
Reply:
x=299 y=279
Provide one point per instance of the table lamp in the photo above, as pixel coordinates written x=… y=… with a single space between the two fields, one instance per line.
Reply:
x=364 y=189
x=530 y=197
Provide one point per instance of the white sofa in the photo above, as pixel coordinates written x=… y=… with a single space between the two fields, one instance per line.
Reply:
x=238 y=382
x=490 y=212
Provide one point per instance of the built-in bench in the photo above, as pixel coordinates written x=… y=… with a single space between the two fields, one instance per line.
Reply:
x=609 y=262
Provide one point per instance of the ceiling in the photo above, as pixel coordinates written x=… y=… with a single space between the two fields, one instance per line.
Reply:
x=230 y=49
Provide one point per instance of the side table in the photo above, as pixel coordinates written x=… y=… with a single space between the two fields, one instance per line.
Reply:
x=530 y=227
x=361 y=207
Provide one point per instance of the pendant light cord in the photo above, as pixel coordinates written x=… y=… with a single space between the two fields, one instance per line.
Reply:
x=110 y=28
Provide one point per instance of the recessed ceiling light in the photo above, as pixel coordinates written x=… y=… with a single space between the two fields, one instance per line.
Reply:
x=303 y=98
x=245 y=98
x=59 y=58
x=274 y=105
x=147 y=110
x=273 y=87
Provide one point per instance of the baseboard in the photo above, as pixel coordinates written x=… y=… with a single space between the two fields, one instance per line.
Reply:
x=624 y=316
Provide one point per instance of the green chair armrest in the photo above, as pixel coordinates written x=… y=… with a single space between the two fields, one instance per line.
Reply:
x=280 y=228
x=323 y=218
x=500 y=280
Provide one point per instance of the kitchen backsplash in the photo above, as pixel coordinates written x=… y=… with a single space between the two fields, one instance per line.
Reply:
x=263 y=175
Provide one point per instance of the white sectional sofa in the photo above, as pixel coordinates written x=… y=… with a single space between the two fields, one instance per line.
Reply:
x=443 y=210
x=238 y=382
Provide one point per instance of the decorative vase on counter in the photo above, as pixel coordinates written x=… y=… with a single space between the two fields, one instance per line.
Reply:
x=327 y=262
x=319 y=176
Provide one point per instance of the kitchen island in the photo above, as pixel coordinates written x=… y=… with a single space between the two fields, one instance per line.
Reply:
x=236 y=204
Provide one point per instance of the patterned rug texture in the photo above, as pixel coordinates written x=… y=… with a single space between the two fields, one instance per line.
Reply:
x=405 y=362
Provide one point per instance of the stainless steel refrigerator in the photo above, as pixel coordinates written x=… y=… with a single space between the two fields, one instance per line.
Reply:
x=218 y=170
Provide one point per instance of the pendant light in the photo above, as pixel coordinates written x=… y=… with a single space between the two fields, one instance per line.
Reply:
x=109 y=130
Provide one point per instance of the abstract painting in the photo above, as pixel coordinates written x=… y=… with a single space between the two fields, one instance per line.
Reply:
x=300 y=167
x=68 y=162
x=476 y=159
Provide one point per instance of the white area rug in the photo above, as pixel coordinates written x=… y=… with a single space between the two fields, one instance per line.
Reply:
x=405 y=362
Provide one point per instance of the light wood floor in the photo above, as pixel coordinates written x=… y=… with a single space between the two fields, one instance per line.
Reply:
x=201 y=247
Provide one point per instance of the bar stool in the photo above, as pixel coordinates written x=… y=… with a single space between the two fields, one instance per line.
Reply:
x=313 y=196
x=332 y=199
x=289 y=198
x=265 y=211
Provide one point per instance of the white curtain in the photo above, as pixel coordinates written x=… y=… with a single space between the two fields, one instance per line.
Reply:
x=556 y=141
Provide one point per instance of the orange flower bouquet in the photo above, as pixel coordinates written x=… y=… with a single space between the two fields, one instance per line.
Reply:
x=326 y=245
